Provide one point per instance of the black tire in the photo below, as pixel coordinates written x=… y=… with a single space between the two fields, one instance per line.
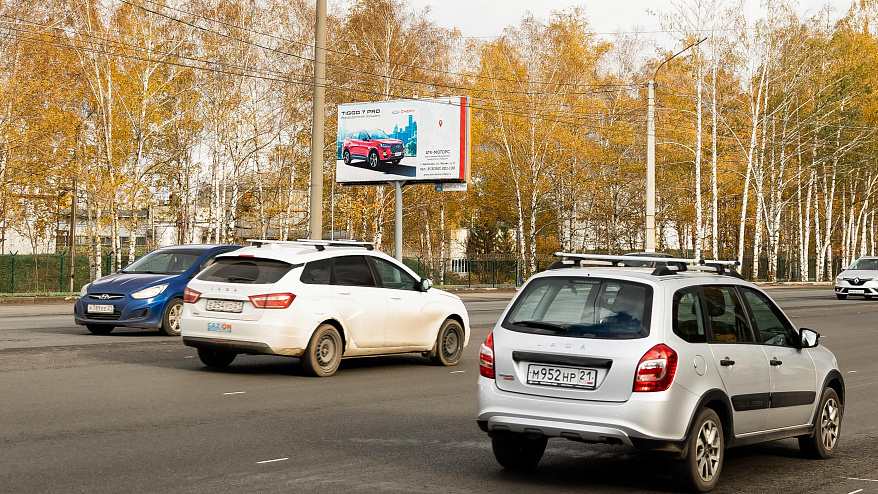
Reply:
x=867 y=297
x=823 y=442
x=396 y=162
x=323 y=354
x=171 y=317
x=449 y=344
x=699 y=471
x=840 y=296
x=373 y=159
x=99 y=328
x=346 y=156
x=216 y=358
x=517 y=451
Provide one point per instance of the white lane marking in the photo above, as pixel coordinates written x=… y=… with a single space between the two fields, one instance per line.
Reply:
x=235 y=393
x=189 y=356
x=457 y=372
x=856 y=491
x=864 y=480
x=271 y=461
x=851 y=372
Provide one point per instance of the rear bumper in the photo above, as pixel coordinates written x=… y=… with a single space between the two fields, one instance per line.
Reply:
x=282 y=332
x=647 y=420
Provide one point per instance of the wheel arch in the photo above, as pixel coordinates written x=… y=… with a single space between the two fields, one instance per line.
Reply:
x=718 y=401
x=341 y=331
x=835 y=381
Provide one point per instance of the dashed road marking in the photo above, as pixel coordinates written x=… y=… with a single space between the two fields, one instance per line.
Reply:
x=864 y=480
x=271 y=461
x=457 y=372
x=189 y=356
x=856 y=491
x=235 y=393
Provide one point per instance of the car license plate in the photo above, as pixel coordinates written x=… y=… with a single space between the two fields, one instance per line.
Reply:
x=100 y=308
x=397 y=154
x=565 y=377
x=857 y=292
x=224 y=305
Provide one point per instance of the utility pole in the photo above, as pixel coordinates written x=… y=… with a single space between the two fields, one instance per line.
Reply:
x=650 y=169
x=71 y=241
x=649 y=234
x=316 y=217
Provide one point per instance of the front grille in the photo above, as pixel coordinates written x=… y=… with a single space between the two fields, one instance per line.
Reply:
x=396 y=148
x=105 y=296
x=104 y=317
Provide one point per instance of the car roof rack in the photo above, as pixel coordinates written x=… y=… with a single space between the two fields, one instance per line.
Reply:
x=674 y=265
x=320 y=245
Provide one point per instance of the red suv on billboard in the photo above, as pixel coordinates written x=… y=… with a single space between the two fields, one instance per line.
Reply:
x=373 y=146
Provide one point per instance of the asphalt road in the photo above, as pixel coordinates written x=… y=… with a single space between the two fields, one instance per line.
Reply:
x=135 y=412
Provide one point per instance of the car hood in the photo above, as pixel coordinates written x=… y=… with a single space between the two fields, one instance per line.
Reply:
x=389 y=141
x=445 y=294
x=127 y=283
x=858 y=273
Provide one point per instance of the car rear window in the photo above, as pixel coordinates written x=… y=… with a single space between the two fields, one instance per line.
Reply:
x=582 y=308
x=247 y=270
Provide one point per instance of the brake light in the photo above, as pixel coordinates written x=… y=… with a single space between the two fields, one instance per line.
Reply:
x=273 y=300
x=190 y=296
x=656 y=369
x=486 y=357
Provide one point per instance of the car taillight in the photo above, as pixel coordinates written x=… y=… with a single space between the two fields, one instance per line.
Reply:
x=486 y=357
x=190 y=296
x=656 y=369
x=273 y=300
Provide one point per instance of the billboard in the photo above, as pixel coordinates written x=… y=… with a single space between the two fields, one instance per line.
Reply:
x=418 y=140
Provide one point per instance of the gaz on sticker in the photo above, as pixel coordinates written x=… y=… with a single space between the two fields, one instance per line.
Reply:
x=219 y=327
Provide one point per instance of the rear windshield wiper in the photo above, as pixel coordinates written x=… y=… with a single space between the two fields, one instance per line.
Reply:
x=543 y=325
x=240 y=279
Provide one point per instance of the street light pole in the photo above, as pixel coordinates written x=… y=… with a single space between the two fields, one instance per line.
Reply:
x=316 y=218
x=650 y=169
x=649 y=234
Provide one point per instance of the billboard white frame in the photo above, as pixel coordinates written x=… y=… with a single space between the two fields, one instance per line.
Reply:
x=434 y=134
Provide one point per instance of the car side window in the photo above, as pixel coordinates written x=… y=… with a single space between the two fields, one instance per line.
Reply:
x=392 y=276
x=316 y=272
x=725 y=311
x=772 y=326
x=363 y=136
x=688 y=317
x=210 y=258
x=351 y=271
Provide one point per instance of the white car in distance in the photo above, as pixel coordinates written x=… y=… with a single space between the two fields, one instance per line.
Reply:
x=320 y=301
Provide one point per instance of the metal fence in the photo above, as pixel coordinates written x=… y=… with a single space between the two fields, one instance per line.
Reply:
x=49 y=273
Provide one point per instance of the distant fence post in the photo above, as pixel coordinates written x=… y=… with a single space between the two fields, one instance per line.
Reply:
x=12 y=287
x=61 y=277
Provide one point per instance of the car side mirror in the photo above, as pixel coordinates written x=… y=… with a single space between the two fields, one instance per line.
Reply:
x=809 y=338
x=425 y=284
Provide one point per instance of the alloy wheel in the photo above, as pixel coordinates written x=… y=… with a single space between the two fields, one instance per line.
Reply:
x=707 y=451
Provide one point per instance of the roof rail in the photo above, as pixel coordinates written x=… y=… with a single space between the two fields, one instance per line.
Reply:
x=673 y=265
x=320 y=245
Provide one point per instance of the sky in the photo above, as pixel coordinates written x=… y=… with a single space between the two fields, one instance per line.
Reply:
x=488 y=18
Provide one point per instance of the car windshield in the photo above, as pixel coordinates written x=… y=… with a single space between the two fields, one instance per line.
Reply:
x=377 y=134
x=165 y=262
x=865 y=264
x=582 y=307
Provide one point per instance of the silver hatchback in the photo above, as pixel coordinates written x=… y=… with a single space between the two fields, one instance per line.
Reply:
x=687 y=359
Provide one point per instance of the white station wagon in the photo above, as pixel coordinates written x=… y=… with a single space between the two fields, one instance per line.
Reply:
x=319 y=301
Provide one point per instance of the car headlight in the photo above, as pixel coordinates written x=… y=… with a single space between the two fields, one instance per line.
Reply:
x=838 y=279
x=149 y=292
x=84 y=291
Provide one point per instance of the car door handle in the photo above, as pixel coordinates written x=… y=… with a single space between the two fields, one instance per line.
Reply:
x=344 y=293
x=396 y=298
x=775 y=361
x=726 y=362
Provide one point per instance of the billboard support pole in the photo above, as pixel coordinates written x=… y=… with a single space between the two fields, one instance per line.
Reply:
x=315 y=222
x=397 y=210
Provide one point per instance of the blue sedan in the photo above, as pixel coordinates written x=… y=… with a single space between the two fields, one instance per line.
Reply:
x=147 y=293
